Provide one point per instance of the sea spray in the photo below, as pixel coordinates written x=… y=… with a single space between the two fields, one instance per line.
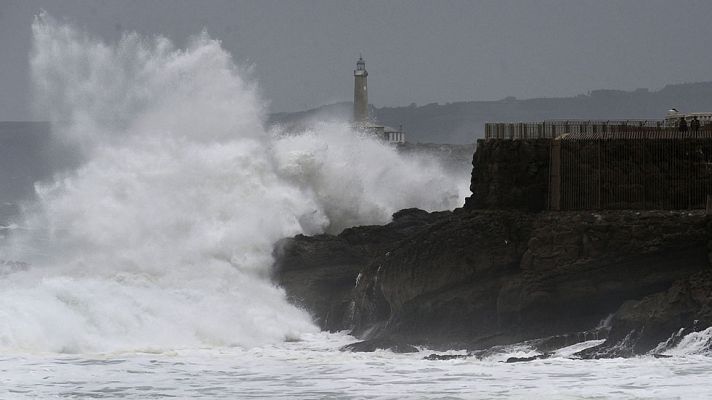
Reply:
x=694 y=343
x=357 y=180
x=162 y=238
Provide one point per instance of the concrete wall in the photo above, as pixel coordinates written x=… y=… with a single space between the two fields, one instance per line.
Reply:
x=620 y=172
x=652 y=174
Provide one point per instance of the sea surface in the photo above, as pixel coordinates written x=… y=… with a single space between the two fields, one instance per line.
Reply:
x=141 y=269
x=315 y=368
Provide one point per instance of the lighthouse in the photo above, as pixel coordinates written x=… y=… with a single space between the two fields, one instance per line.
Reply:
x=361 y=121
x=360 y=93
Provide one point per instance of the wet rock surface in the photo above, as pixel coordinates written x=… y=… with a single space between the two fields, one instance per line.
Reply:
x=320 y=272
x=445 y=357
x=479 y=278
x=510 y=174
x=659 y=321
x=511 y=360
x=368 y=346
x=501 y=270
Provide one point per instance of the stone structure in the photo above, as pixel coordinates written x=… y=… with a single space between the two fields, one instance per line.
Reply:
x=510 y=174
x=663 y=170
x=635 y=168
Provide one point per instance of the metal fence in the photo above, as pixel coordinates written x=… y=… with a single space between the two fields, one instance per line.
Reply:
x=646 y=169
x=553 y=128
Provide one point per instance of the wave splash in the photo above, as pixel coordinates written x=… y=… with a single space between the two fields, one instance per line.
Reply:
x=162 y=238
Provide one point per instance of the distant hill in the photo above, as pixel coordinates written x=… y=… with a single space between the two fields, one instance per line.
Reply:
x=463 y=122
x=28 y=153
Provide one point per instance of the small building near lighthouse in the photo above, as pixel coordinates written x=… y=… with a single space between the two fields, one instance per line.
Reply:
x=361 y=118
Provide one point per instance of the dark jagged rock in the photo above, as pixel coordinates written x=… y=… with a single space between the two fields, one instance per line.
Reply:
x=319 y=272
x=368 y=346
x=478 y=278
x=552 y=343
x=511 y=360
x=510 y=174
x=581 y=266
x=441 y=285
x=639 y=326
x=446 y=357
x=491 y=277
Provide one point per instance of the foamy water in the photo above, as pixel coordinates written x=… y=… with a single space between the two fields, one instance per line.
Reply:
x=315 y=369
x=147 y=268
x=163 y=237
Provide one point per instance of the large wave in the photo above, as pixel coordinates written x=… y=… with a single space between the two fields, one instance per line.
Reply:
x=163 y=237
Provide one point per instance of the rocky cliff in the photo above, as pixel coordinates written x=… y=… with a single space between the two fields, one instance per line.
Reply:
x=479 y=276
x=510 y=174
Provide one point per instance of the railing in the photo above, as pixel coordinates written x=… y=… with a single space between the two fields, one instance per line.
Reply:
x=554 y=128
x=633 y=133
x=645 y=169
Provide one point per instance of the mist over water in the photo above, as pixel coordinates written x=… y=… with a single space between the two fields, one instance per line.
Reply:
x=163 y=237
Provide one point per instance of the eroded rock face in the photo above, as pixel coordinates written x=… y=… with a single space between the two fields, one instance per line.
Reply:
x=477 y=278
x=641 y=326
x=581 y=265
x=441 y=285
x=369 y=346
x=510 y=174
x=320 y=272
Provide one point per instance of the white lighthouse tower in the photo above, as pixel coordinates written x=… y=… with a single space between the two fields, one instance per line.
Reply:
x=360 y=93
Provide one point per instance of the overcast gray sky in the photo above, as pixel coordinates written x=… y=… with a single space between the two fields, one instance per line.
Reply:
x=416 y=51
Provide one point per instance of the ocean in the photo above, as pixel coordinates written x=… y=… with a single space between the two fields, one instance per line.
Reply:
x=314 y=368
x=143 y=271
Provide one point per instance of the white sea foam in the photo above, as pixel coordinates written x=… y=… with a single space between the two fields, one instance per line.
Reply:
x=162 y=238
x=314 y=368
x=155 y=251
x=694 y=343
